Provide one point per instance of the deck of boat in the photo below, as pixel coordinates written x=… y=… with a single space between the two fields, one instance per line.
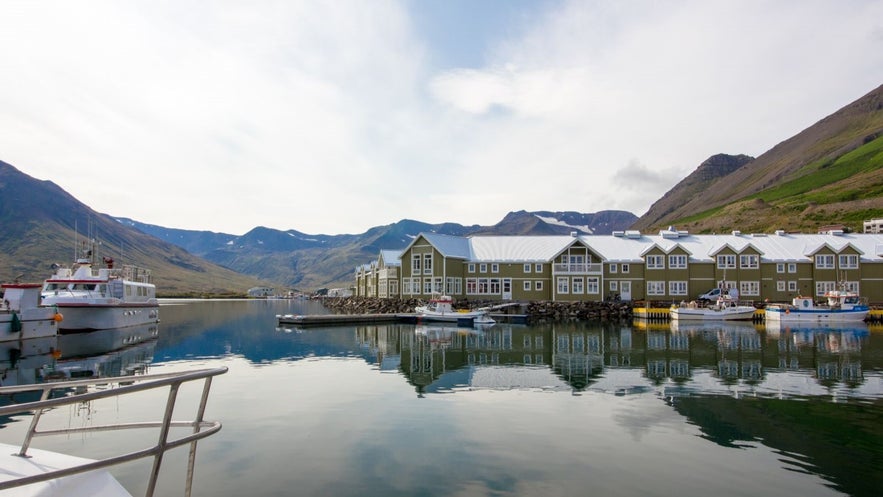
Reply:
x=98 y=483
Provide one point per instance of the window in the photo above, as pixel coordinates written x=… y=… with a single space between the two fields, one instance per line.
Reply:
x=454 y=286
x=749 y=288
x=527 y=268
x=495 y=268
x=483 y=285
x=677 y=287
x=538 y=286
x=415 y=263
x=726 y=261
x=655 y=262
x=624 y=268
x=436 y=285
x=613 y=267
x=780 y=267
x=677 y=261
x=427 y=286
x=822 y=287
x=471 y=286
x=494 y=286
x=593 y=285
x=848 y=261
x=655 y=288
x=538 y=268
x=792 y=286
x=427 y=263
x=780 y=286
x=614 y=286
x=748 y=261
x=562 y=285
x=527 y=285
x=470 y=268
x=824 y=261
x=578 y=285
x=482 y=268
x=792 y=267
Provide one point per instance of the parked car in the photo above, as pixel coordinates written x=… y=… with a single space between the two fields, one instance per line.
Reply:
x=712 y=294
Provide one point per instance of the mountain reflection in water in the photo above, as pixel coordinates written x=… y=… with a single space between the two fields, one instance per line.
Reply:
x=622 y=409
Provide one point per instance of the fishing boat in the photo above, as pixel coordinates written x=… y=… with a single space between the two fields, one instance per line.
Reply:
x=841 y=306
x=99 y=298
x=22 y=317
x=723 y=309
x=442 y=309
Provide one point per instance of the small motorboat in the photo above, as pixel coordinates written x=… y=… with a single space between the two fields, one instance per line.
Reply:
x=442 y=309
x=723 y=309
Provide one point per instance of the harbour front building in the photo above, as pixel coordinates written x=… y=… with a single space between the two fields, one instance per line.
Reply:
x=672 y=265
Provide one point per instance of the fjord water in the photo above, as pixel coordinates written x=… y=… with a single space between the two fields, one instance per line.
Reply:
x=513 y=410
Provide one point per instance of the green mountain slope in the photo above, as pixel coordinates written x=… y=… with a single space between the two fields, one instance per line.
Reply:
x=41 y=223
x=830 y=173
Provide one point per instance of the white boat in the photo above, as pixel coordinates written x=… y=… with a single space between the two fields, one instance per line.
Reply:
x=101 y=298
x=441 y=309
x=723 y=309
x=841 y=307
x=27 y=471
x=22 y=317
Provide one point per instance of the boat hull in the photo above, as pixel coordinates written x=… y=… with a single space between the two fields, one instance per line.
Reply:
x=730 y=314
x=31 y=323
x=816 y=315
x=82 y=318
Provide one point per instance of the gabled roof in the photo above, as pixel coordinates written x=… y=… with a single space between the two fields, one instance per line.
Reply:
x=447 y=245
x=391 y=257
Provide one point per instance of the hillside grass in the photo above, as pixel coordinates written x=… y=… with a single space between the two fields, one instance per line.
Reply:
x=847 y=189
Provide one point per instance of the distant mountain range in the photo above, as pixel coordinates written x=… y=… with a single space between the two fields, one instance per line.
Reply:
x=303 y=261
x=830 y=173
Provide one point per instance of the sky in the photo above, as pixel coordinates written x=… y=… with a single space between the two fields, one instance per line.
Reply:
x=332 y=117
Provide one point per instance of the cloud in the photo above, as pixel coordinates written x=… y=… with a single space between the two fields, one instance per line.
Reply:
x=337 y=116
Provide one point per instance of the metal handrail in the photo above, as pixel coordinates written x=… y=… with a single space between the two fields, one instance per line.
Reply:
x=201 y=428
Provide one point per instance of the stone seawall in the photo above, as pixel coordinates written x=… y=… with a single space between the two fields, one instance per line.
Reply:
x=540 y=311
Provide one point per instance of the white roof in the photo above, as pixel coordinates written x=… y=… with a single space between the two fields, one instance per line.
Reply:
x=613 y=248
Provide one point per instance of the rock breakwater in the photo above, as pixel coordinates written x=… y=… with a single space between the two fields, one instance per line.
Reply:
x=536 y=312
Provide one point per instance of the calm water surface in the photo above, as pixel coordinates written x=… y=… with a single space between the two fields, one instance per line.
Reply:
x=551 y=410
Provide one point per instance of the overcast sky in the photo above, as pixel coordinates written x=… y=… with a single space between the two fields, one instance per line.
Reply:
x=335 y=116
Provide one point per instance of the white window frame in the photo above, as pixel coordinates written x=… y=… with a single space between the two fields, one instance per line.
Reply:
x=847 y=261
x=780 y=267
x=749 y=288
x=527 y=286
x=427 y=263
x=527 y=267
x=623 y=268
x=495 y=268
x=655 y=262
x=792 y=267
x=563 y=285
x=613 y=267
x=726 y=261
x=792 y=286
x=482 y=268
x=780 y=286
x=614 y=286
x=677 y=261
x=538 y=268
x=538 y=285
x=677 y=288
x=823 y=287
x=824 y=261
x=749 y=261
x=655 y=288
x=593 y=285
x=577 y=285
x=415 y=263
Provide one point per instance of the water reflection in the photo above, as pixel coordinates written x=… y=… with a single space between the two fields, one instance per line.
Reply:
x=678 y=359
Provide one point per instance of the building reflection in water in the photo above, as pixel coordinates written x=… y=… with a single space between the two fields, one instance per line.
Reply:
x=714 y=358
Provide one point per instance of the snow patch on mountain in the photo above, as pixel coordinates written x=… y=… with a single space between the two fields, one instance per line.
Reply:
x=556 y=222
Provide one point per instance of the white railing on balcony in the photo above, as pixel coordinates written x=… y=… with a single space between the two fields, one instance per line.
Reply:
x=577 y=268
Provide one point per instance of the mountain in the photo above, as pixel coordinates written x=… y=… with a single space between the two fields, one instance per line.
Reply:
x=830 y=173
x=41 y=224
x=307 y=262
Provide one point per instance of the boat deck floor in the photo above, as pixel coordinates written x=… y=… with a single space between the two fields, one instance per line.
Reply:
x=97 y=483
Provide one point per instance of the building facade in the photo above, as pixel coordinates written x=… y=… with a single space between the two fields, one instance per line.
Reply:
x=628 y=265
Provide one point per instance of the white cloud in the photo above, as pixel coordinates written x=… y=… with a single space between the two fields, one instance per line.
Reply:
x=327 y=117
